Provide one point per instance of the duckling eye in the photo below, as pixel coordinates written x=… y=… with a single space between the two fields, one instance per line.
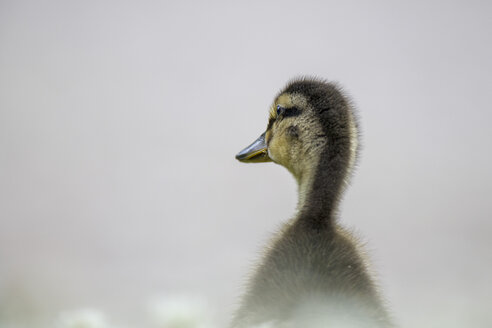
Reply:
x=280 y=110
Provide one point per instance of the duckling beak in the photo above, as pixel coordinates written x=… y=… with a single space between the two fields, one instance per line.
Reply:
x=257 y=152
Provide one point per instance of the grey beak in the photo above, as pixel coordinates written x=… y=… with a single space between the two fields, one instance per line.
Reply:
x=257 y=152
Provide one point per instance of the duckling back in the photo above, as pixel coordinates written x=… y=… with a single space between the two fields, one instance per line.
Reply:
x=312 y=279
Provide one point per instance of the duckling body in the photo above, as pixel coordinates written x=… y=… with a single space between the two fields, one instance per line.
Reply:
x=313 y=274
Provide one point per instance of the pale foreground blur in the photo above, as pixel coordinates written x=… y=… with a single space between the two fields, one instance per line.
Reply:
x=191 y=312
x=177 y=311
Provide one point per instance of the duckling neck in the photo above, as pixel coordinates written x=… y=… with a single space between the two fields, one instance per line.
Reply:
x=320 y=188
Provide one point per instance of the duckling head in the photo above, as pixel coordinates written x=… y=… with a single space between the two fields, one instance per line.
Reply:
x=311 y=127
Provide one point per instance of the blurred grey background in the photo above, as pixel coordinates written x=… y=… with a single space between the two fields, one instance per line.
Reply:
x=119 y=122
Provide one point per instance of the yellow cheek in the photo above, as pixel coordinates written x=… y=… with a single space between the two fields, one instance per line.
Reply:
x=278 y=150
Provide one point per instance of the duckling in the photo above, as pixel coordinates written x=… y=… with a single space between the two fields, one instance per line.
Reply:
x=313 y=274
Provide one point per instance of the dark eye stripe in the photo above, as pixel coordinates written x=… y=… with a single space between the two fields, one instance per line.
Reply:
x=292 y=111
x=287 y=112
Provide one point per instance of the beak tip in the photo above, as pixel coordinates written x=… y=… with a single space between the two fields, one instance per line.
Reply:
x=239 y=156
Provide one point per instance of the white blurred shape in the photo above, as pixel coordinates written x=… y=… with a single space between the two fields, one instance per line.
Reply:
x=179 y=311
x=82 y=318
